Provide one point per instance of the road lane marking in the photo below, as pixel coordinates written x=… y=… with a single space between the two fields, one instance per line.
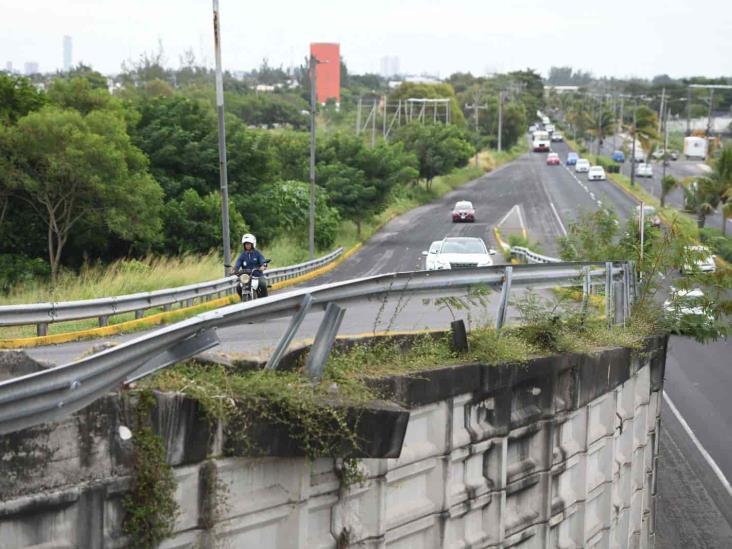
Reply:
x=561 y=225
x=707 y=457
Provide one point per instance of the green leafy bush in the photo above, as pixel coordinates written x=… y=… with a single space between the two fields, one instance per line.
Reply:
x=717 y=242
x=16 y=269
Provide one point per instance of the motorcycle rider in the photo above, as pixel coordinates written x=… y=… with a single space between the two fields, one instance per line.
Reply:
x=250 y=259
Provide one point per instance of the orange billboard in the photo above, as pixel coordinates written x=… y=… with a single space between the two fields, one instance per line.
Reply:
x=328 y=71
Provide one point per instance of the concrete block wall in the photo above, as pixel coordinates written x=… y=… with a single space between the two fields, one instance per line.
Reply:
x=558 y=453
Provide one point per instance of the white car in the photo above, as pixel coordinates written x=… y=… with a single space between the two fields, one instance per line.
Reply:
x=649 y=214
x=431 y=254
x=557 y=137
x=596 y=173
x=461 y=253
x=687 y=305
x=550 y=128
x=582 y=165
x=703 y=260
x=644 y=170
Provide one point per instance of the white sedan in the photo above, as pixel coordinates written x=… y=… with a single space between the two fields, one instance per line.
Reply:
x=582 y=165
x=644 y=170
x=596 y=173
x=700 y=259
x=461 y=253
x=686 y=306
x=431 y=254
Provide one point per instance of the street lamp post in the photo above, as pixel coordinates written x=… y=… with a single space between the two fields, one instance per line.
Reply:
x=223 y=178
x=632 y=154
x=313 y=111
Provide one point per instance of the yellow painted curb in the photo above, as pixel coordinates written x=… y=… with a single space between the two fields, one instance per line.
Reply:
x=506 y=248
x=114 y=329
x=161 y=318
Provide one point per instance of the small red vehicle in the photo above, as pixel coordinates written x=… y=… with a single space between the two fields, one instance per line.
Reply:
x=552 y=159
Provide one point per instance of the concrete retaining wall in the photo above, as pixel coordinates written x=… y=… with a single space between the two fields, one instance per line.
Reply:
x=557 y=453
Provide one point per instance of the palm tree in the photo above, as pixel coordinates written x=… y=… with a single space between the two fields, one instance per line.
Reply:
x=726 y=214
x=668 y=184
x=603 y=125
x=702 y=199
x=717 y=186
x=646 y=125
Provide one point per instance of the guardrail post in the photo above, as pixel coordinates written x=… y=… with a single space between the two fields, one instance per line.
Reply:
x=505 y=291
x=290 y=332
x=585 y=289
x=627 y=287
x=459 y=336
x=139 y=314
x=324 y=340
x=609 y=292
x=619 y=302
x=42 y=329
x=167 y=307
x=104 y=320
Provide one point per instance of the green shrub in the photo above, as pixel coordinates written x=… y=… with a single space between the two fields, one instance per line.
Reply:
x=16 y=269
x=717 y=242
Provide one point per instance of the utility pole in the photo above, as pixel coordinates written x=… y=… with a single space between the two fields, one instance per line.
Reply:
x=709 y=116
x=632 y=154
x=500 y=118
x=688 y=111
x=665 y=147
x=223 y=177
x=358 y=116
x=476 y=108
x=373 y=123
x=642 y=227
x=660 y=109
x=313 y=112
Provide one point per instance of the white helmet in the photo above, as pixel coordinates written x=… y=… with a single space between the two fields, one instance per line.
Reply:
x=249 y=238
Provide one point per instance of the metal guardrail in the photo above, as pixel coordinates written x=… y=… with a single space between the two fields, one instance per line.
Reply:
x=532 y=257
x=41 y=314
x=52 y=394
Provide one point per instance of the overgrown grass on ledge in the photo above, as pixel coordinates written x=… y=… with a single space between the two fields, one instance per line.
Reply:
x=348 y=372
x=313 y=413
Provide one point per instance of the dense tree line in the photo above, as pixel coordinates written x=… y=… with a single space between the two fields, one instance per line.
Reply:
x=90 y=175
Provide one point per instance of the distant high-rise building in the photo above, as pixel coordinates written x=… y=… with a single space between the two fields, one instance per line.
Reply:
x=30 y=67
x=389 y=66
x=68 y=61
x=328 y=71
x=9 y=67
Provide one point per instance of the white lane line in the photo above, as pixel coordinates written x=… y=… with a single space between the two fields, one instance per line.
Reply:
x=506 y=216
x=707 y=457
x=521 y=221
x=561 y=225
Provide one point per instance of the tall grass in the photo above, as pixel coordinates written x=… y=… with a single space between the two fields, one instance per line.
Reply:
x=127 y=276
x=124 y=276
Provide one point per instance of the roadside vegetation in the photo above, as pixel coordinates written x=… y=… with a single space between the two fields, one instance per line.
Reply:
x=138 y=182
x=241 y=397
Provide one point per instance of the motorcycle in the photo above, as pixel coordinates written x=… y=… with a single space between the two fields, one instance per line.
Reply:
x=248 y=286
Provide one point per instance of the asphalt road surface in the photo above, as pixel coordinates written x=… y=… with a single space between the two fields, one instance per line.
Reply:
x=699 y=378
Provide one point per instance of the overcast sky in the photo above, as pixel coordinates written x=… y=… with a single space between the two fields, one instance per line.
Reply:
x=614 y=37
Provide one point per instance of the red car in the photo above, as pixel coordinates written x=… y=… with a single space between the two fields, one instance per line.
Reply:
x=552 y=159
x=463 y=211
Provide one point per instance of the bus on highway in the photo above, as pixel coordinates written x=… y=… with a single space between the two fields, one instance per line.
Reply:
x=540 y=141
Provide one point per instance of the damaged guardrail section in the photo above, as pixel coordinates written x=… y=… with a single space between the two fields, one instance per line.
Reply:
x=558 y=452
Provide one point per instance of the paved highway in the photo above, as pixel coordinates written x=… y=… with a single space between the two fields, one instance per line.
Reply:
x=698 y=377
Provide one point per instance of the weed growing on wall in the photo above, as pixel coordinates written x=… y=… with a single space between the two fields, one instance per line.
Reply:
x=150 y=505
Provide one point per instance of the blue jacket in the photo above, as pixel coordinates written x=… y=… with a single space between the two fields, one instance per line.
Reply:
x=249 y=260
